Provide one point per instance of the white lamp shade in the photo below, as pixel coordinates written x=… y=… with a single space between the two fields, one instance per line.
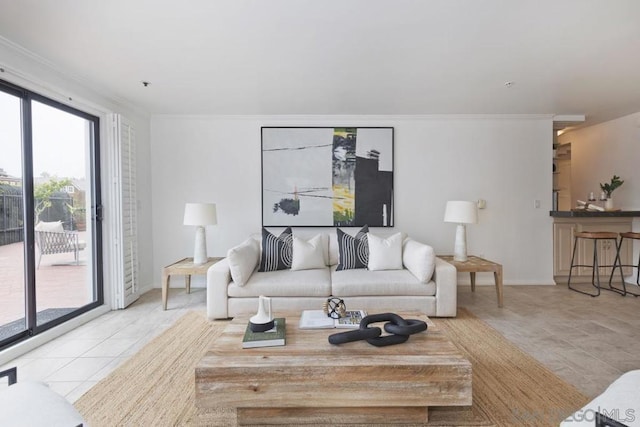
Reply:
x=461 y=212
x=200 y=214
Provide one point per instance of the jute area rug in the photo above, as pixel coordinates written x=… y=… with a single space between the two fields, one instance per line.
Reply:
x=155 y=387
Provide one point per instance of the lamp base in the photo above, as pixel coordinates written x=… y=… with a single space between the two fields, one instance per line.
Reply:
x=460 y=247
x=200 y=249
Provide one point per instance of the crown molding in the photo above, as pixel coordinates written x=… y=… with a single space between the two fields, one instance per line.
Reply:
x=354 y=117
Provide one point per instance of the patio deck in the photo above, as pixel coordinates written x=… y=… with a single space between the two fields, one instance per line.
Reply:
x=60 y=283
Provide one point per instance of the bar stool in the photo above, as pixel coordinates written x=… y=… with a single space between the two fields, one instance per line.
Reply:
x=595 y=236
x=618 y=264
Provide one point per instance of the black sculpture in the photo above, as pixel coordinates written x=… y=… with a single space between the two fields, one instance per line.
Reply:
x=399 y=328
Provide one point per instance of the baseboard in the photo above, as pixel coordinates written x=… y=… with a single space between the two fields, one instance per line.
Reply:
x=488 y=281
x=146 y=288
x=548 y=282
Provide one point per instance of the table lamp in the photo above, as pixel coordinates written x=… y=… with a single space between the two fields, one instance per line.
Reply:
x=461 y=212
x=200 y=215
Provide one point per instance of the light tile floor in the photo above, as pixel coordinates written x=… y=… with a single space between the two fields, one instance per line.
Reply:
x=74 y=362
x=587 y=341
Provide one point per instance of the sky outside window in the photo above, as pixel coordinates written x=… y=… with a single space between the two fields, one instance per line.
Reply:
x=10 y=139
x=59 y=140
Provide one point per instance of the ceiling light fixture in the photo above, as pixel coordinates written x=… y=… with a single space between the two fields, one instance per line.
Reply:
x=145 y=83
x=509 y=84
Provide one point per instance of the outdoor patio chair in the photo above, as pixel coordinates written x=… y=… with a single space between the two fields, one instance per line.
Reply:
x=51 y=238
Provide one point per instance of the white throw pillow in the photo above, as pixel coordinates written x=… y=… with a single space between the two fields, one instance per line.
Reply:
x=419 y=259
x=55 y=226
x=308 y=254
x=385 y=254
x=243 y=260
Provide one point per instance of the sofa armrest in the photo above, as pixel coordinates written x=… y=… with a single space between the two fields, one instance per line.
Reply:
x=618 y=402
x=51 y=409
x=446 y=278
x=218 y=279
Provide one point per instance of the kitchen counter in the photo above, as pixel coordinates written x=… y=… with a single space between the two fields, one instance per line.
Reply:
x=567 y=223
x=593 y=214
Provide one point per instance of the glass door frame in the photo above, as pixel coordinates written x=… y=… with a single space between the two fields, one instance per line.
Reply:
x=32 y=328
x=25 y=333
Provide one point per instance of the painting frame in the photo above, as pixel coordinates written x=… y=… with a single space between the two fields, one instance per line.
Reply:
x=327 y=176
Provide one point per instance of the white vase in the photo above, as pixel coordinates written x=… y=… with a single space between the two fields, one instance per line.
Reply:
x=608 y=204
x=263 y=320
x=264 y=311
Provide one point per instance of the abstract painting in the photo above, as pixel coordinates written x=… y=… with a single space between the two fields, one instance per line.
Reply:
x=327 y=176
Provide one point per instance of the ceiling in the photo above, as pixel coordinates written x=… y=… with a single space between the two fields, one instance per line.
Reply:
x=343 y=57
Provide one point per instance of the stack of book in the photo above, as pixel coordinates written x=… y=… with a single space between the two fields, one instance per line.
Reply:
x=271 y=338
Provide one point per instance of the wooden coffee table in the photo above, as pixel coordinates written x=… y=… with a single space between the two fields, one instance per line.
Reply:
x=309 y=381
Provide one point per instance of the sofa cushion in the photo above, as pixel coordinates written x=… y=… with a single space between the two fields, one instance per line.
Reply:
x=285 y=283
x=308 y=254
x=354 y=251
x=35 y=404
x=54 y=226
x=360 y=282
x=243 y=260
x=328 y=239
x=276 y=251
x=385 y=253
x=619 y=402
x=419 y=259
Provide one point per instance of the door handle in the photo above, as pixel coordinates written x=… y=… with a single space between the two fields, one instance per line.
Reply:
x=98 y=213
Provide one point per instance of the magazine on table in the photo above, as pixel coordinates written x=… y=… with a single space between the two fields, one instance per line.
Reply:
x=318 y=319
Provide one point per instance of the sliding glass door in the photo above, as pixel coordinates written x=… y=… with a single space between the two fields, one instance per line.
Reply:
x=50 y=263
x=12 y=262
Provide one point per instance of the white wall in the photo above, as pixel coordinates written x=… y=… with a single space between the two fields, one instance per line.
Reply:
x=505 y=160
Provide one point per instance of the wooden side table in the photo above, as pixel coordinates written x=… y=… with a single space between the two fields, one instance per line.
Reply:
x=474 y=265
x=186 y=268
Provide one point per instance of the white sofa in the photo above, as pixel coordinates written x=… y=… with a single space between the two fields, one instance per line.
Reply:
x=374 y=291
x=34 y=404
x=619 y=402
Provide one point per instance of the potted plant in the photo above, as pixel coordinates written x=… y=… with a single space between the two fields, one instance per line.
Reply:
x=608 y=189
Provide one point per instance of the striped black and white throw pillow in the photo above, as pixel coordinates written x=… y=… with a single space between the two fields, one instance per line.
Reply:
x=277 y=252
x=354 y=251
